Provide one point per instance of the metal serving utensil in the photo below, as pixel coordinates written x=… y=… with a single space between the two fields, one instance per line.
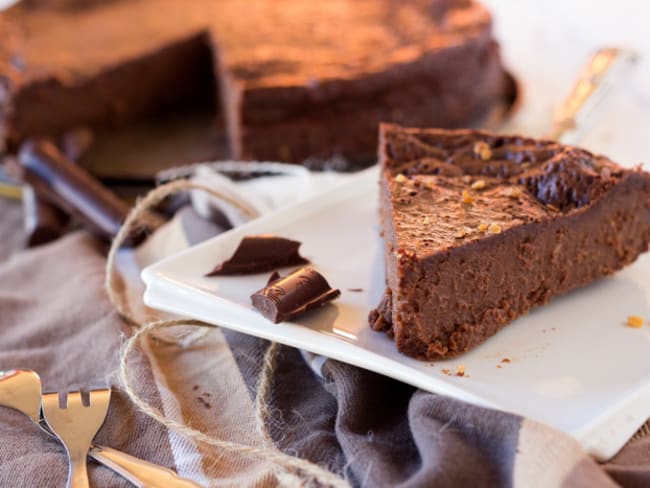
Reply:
x=597 y=78
x=76 y=425
x=21 y=390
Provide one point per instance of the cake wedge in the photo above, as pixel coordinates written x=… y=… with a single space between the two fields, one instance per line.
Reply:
x=479 y=228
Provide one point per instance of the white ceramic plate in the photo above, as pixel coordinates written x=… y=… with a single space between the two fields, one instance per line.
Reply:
x=573 y=364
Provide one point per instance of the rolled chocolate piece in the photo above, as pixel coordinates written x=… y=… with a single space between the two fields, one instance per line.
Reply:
x=43 y=222
x=284 y=298
x=257 y=254
x=72 y=187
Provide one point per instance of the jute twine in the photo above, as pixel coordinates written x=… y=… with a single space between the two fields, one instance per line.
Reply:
x=289 y=469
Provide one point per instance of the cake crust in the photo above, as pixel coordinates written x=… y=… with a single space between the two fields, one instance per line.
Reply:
x=479 y=228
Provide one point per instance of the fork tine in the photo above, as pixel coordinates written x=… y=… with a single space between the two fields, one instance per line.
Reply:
x=76 y=426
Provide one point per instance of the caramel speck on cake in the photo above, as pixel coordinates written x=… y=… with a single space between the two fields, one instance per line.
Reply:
x=466 y=197
x=494 y=228
x=478 y=185
x=426 y=221
x=400 y=178
x=635 y=321
x=482 y=150
x=552 y=207
x=514 y=193
x=482 y=227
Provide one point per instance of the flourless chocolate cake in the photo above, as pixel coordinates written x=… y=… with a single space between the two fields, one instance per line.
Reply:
x=298 y=79
x=480 y=227
x=80 y=63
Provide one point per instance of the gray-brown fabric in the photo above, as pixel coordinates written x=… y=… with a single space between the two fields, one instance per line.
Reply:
x=11 y=228
x=631 y=466
x=54 y=318
x=583 y=475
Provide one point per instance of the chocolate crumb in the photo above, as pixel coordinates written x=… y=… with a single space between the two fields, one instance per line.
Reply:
x=505 y=360
x=195 y=387
x=356 y=290
x=204 y=403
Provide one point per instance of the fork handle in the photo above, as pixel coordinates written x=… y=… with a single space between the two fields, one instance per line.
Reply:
x=78 y=476
x=141 y=473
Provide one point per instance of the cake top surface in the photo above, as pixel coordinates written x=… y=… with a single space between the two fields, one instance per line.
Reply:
x=264 y=42
x=451 y=187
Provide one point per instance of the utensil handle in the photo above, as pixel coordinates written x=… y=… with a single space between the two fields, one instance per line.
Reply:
x=78 y=476
x=603 y=70
x=141 y=473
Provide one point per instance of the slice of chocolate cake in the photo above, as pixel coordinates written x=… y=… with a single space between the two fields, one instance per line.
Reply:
x=298 y=79
x=480 y=227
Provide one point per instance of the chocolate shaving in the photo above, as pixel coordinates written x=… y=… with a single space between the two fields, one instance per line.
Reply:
x=285 y=298
x=257 y=254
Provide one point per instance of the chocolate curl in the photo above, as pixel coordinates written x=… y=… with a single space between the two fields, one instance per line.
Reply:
x=43 y=222
x=71 y=187
x=284 y=298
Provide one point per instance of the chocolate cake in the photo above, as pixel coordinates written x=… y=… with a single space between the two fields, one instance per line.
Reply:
x=480 y=227
x=298 y=79
x=100 y=65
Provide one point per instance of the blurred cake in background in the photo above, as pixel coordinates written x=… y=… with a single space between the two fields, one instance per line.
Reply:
x=290 y=80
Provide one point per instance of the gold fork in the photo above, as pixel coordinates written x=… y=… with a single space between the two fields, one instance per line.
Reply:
x=75 y=424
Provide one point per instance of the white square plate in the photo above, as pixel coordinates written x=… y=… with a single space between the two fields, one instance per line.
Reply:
x=573 y=364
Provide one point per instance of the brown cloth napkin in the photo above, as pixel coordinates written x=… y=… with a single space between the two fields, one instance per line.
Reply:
x=55 y=318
